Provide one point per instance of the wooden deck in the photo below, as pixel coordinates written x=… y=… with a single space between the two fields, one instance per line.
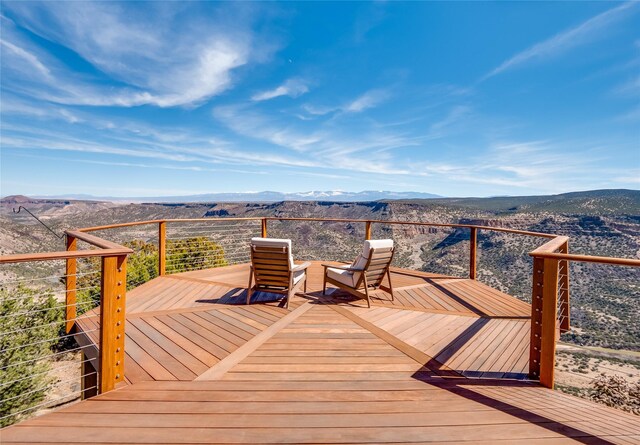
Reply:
x=202 y=367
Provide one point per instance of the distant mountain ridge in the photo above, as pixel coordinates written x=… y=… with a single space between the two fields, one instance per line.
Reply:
x=593 y=202
x=265 y=196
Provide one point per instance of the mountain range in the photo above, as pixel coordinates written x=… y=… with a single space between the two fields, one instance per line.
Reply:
x=264 y=196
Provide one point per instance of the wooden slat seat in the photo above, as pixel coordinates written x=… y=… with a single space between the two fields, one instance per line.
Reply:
x=273 y=269
x=366 y=271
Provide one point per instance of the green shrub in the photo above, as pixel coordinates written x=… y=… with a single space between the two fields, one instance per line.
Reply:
x=31 y=325
x=194 y=254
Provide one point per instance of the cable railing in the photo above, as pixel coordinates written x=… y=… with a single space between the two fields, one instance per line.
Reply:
x=196 y=245
x=97 y=276
x=40 y=362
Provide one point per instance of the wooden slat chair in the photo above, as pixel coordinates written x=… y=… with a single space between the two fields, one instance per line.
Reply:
x=367 y=270
x=273 y=269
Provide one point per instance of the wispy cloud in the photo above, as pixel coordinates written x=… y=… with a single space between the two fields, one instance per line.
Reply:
x=453 y=117
x=579 y=35
x=10 y=105
x=365 y=101
x=324 y=140
x=31 y=59
x=143 y=50
x=250 y=123
x=368 y=100
x=291 y=88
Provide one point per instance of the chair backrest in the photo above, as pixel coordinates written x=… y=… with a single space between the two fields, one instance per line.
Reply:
x=272 y=262
x=375 y=259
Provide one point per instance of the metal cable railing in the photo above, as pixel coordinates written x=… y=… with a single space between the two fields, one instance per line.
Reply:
x=198 y=245
x=39 y=360
x=159 y=247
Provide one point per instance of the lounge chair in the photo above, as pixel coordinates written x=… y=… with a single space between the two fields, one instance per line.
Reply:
x=366 y=271
x=273 y=269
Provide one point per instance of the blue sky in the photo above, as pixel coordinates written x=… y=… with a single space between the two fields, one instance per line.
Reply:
x=458 y=99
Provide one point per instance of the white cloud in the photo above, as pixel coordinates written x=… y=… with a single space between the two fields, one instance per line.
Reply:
x=28 y=57
x=566 y=40
x=144 y=50
x=291 y=88
x=361 y=103
x=10 y=105
x=368 y=100
x=248 y=123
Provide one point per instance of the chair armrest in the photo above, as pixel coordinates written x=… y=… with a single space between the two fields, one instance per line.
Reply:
x=343 y=267
x=338 y=266
x=302 y=266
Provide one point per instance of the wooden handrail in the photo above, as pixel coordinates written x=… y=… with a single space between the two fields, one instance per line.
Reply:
x=94 y=240
x=115 y=226
x=550 y=246
x=415 y=223
x=337 y=220
x=588 y=258
x=62 y=255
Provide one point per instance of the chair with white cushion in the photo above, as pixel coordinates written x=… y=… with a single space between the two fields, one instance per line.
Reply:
x=273 y=269
x=366 y=271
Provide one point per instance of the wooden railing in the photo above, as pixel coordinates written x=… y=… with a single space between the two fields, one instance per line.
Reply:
x=110 y=358
x=473 y=231
x=550 y=291
x=550 y=303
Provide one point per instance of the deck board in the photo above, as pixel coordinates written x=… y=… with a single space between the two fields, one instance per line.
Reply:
x=406 y=410
x=202 y=367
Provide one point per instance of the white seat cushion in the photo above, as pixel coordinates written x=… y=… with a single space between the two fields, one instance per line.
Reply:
x=275 y=242
x=297 y=276
x=343 y=276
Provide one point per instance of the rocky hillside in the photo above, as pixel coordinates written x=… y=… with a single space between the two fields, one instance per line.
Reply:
x=605 y=299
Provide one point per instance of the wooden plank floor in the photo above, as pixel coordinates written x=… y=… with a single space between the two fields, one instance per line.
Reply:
x=407 y=408
x=181 y=325
x=479 y=347
x=417 y=290
x=202 y=367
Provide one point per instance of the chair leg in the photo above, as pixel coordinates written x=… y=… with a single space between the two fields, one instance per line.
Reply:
x=250 y=288
x=305 y=282
x=366 y=292
x=291 y=290
x=324 y=284
x=390 y=286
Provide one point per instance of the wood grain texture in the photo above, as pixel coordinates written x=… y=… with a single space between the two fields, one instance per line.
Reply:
x=71 y=271
x=326 y=372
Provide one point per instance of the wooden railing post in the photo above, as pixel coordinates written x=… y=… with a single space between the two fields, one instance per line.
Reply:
x=544 y=304
x=162 y=247
x=549 y=317
x=367 y=230
x=112 y=318
x=473 y=259
x=71 y=275
x=535 y=343
x=264 y=227
x=563 y=291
